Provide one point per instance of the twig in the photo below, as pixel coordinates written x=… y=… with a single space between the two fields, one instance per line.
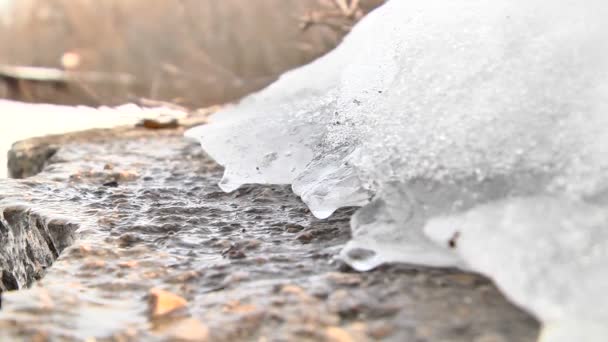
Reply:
x=345 y=10
x=41 y=74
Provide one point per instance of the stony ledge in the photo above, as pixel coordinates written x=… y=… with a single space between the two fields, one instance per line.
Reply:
x=123 y=235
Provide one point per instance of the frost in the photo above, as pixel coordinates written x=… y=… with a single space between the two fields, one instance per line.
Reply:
x=473 y=134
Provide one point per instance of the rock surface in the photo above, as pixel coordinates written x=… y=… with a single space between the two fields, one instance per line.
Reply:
x=139 y=212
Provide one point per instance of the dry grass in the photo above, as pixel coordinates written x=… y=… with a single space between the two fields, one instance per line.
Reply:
x=194 y=52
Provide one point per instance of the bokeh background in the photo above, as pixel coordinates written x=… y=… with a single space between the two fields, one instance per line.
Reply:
x=192 y=52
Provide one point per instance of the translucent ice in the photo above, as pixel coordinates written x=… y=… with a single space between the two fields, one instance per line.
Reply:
x=473 y=134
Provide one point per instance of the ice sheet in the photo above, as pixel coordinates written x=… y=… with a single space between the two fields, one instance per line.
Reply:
x=473 y=134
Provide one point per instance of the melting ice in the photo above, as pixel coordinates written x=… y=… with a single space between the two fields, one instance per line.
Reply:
x=472 y=133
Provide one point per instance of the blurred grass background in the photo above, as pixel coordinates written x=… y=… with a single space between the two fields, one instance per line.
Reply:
x=192 y=52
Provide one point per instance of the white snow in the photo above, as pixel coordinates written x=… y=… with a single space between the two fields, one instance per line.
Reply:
x=473 y=134
x=20 y=120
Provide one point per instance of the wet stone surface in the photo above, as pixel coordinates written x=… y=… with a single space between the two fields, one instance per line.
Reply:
x=153 y=250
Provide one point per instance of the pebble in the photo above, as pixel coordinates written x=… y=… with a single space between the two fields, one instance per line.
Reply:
x=297 y=291
x=305 y=237
x=161 y=122
x=189 y=329
x=236 y=306
x=128 y=264
x=162 y=303
x=111 y=184
x=381 y=330
x=46 y=302
x=128 y=240
x=94 y=264
x=348 y=279
x=336 y=334
x=185 y=277
x=293 y=228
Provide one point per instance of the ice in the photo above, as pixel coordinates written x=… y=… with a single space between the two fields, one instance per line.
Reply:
x=472 y=133
x=548 y=254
